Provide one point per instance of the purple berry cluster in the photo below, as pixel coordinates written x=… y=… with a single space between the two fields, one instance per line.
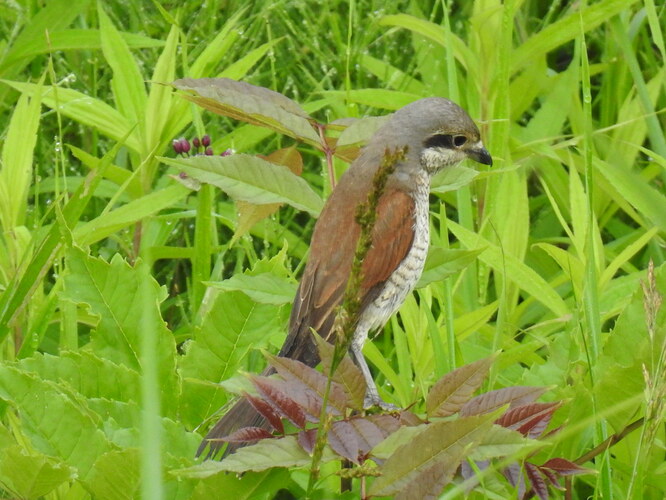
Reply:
x=198 y=147
x=201 y=146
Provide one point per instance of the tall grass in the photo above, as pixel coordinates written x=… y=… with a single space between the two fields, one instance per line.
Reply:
x=101 y=244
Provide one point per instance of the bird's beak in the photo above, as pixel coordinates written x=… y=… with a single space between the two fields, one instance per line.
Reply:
x=480 y=154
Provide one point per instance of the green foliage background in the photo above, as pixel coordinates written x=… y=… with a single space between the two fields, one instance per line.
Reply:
x=125 y=299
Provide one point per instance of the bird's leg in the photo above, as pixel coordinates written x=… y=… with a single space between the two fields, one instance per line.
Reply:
x=371 y=394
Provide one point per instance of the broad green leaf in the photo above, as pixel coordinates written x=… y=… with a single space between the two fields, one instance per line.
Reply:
x=252 y=104
x=115 y=475
x=57 y=423
x=499 y=441
x=265 y=288
x=233 y=325
x=84 y=109
x=31 y=475
x=513 y=269
x=360 y=131
x=248 y=178
x=392 y=76
x=112 y=292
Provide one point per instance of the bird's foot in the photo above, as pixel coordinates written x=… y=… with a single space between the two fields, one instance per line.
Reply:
x=373 y=400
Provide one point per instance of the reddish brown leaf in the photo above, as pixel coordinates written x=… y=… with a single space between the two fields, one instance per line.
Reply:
x=247 y=434
x=311 y=382
x=429 y=483
x=454 y=389
x=528 y=417
x=514 y=475
x=281 y=402
x=493 y=400
x=266 y=411
x=565 y=468
x=552 y=477
x=539 y=485
x=342 y=438
x=410 y=419
x=348 y=375
x=368 y=433
x=307 y=439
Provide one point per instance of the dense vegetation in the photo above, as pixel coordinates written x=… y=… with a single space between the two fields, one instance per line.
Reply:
x=129 y=291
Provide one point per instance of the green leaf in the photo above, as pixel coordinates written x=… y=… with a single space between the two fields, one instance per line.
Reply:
x=444 y=262
x=127 y=83
x=126 y=215
x=113 y=292
x=377 y=98
x=239 y=68
x=115 y=475
x=441 y=445
x=452 y=178
x=248 y=178
x=513 y=269
x=252 y=104
x=31 y=475
x=84 y=109
x=232 y=325
x=264 y=288
x=16 y=169
x=57 y=423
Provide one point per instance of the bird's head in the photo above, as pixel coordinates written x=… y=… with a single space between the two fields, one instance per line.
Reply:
x=438 y=134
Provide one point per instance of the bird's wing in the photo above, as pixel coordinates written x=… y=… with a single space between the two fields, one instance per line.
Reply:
x=326 y=275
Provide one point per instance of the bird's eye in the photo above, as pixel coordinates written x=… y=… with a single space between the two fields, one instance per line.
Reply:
x=459 y=140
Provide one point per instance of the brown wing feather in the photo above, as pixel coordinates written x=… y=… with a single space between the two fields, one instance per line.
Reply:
x=326 y=275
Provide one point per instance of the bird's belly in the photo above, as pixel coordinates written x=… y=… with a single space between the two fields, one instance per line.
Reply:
x=403 y=280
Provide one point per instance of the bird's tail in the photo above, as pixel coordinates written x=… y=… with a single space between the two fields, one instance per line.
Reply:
x=242 y=414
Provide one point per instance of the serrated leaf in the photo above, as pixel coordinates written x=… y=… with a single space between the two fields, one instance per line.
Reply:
x=536 y=480
x=116 y=475
x=348 y=375
x=267 y=454
x=441 y=443
x=305 y=379
x=530 y=419
x=494 y=400
x=264 y=288
x=248 y=178
x=273 y=394
x=454 y=389
x=266 y=410
x=565 y=467
x=57 y=423
x=31 y=475
x=342 y=438
x=113 y=292
x=246 y=434
x=252 y=104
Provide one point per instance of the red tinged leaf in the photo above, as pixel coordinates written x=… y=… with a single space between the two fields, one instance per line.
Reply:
x=348 y=375
x=266 y=411
x=564 y=467
x=306 y=379
x=529 y=419
x=342 y=438
x=247 y=434
x=493 y=400
x=537 y=481
x=429 y=484
x=455 y=389
x=552 y=477
x=369 y=434
x=306 y=439
x=514 y=474
x=279 y=400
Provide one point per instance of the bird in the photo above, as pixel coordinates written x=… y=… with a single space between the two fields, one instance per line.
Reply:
x=435 y=133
